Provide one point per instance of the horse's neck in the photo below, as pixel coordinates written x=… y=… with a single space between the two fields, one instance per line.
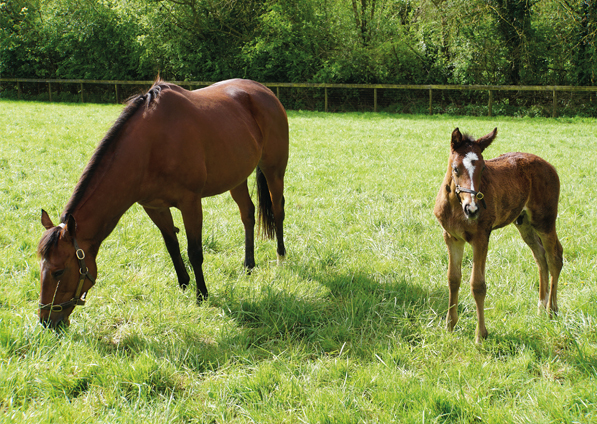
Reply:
x=106 y=198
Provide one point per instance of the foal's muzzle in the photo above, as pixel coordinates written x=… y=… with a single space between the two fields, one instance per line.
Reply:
x=478 y=196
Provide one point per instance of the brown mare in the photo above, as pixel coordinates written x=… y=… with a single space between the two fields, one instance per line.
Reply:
x=477 y=197
x=169 y=148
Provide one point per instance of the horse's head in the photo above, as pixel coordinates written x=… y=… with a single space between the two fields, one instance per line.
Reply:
x=466 y=165
x=65 y=277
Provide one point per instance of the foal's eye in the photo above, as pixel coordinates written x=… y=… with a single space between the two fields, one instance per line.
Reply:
x=455 y=170
x=58 y=274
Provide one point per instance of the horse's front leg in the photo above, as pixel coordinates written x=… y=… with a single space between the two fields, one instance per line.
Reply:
x=478 y=286
x=455 y=253
x=162 y=218
x=192 y=215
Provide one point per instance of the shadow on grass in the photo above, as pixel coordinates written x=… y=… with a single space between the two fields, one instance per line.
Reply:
x=352 y=309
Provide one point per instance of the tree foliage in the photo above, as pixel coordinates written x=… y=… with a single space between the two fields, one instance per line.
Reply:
x=355 y=41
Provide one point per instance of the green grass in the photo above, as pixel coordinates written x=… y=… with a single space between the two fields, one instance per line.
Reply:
x=350 y=329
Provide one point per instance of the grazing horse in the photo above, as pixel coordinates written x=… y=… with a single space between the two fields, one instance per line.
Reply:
x=169 y=148
x=478 y=196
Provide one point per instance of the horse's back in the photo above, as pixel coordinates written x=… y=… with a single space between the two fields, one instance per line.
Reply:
x=532 y=167
x=536 y=179
x=210 y=140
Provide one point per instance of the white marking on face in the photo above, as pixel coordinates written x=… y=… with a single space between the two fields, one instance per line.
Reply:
x=62 y=225
x=468 y=164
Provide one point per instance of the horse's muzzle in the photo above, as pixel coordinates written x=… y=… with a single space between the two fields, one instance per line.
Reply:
x=471 y=211
x=59 y=323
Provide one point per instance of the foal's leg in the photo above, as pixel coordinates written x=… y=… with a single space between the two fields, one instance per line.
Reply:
x=553 y=254
x=478 y=286
x=242 y=198
x=532 y=239
x=192 y=215
x=162 y=218
x=455 y=253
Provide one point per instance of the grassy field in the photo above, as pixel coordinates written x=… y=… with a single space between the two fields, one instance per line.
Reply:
x=349 y=330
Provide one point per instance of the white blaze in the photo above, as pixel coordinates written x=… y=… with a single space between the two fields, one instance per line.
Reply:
x=468 y=164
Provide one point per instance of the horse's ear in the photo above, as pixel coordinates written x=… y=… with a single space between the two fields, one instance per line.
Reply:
x=71 y=225
x=486 y=140
x=45 y=220
x=457 y=139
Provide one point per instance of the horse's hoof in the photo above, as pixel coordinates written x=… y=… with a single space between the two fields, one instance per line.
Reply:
x=281 y=260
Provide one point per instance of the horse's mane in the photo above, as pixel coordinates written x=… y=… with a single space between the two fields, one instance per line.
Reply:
x=148 y=100
x=468 y=139
x=48 y=240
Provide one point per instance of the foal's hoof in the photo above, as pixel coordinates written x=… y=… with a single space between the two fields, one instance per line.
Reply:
x=481 y=335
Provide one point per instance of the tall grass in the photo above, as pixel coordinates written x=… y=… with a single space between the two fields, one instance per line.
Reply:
x=350 y=329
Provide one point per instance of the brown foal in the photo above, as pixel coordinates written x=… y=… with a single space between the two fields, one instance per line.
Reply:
x=478 y=196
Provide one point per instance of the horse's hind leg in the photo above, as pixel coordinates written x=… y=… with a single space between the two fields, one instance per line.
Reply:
x=162 y=218
x=532 y=239
x=242 y=198
x=553 y=254
x=275 y=184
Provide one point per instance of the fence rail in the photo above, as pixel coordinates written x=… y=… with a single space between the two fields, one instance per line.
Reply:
x=554 y=89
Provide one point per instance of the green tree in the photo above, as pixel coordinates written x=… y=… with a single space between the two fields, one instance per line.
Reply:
x=514 y=25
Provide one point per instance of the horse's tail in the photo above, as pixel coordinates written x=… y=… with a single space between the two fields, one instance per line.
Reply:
x=265 y=215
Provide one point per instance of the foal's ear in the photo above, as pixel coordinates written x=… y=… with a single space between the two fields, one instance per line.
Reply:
x=457 y=139
x=486 y=140
x=45 y=220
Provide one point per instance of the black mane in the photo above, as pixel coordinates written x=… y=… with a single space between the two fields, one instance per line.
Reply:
x=148 y=100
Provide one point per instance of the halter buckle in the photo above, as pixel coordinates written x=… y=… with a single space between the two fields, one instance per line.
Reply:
x=80 y=254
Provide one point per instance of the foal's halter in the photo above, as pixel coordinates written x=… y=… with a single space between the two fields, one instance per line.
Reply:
x=77 y=298
x=478 y=195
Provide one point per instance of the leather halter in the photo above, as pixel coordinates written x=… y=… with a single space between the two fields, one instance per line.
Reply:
x=77 y=299
x=478 y=195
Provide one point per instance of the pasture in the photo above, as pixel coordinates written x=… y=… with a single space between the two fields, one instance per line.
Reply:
x=352 y=327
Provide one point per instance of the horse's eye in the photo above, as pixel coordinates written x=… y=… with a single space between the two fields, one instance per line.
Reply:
x=58 y=274
x=455 y=170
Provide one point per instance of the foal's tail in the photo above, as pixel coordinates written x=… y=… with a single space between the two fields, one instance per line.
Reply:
x=265 y=215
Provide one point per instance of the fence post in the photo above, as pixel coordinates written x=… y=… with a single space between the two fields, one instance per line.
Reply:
x=326 y=98
x=50 y=90
x=430 y=101
x=116 y=92
x=19 y=90
x=375 y=100
x=490 y=104
x=82 y=98
x=555 y=104
x=278 y=92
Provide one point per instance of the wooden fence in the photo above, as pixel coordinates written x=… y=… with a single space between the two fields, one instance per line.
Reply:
x=490 y=89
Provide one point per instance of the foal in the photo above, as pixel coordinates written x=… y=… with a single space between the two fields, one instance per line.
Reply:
x=479 y=196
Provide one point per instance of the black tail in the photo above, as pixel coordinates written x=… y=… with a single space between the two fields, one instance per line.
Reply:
x=265 y=216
